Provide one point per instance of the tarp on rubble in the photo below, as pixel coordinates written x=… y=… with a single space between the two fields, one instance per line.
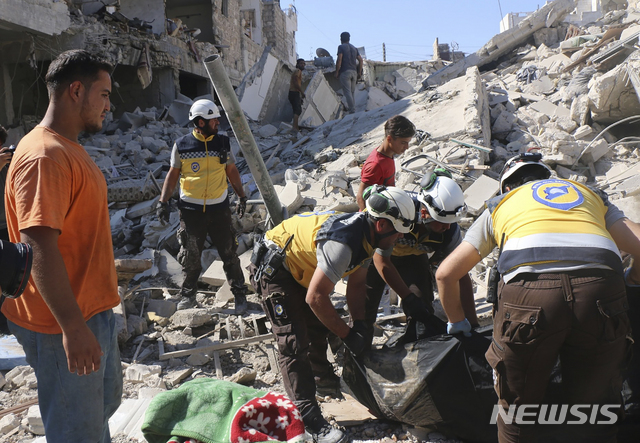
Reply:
x=445 y=383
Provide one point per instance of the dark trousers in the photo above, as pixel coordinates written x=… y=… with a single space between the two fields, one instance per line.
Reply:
x=194 y=227
x=416 y=273
x=579 y=317
x=301 y=339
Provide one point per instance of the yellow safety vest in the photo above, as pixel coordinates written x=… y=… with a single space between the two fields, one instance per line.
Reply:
x=310 y=227
x=552 y=220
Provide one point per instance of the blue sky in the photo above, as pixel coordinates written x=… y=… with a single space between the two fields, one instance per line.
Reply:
x=407 y=27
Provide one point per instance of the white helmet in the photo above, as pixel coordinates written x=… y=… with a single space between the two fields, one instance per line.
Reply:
x=393 y=204
x=442 y=197
x=203 y=108
x=527 y=167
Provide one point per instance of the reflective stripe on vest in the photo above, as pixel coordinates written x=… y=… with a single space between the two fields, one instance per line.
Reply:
x=203 y=176
x=549 y=221
x=307 y=228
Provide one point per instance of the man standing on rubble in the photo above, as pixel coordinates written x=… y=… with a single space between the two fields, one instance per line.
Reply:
x=203 y=162
x=562 y=293
x=296 y=94
x=433 y=237
x=348 y=69
x=57 y=202
x=295 y=272
x=379 y=168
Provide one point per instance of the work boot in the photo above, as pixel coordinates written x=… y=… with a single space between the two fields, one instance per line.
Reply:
x=320 y=431
x=186 y=303
x=328 y=387
x=241 y=303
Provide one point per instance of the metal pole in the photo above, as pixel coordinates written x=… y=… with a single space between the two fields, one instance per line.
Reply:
x=240 y=126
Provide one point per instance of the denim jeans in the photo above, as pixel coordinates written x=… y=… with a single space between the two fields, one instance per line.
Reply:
x=75 y=408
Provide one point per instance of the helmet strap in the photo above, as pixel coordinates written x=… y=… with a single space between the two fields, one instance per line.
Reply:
x=377 y=238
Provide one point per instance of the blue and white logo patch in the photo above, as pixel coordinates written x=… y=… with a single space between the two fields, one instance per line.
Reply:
x=557 y=194
x=195 y=166
x=279 y=310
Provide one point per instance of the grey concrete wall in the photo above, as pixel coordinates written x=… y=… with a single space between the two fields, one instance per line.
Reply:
x=35 y=16
x=193 y=16
x=129 y=95
x=151 y=11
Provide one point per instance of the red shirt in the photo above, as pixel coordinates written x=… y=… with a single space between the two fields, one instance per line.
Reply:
x=378 y=169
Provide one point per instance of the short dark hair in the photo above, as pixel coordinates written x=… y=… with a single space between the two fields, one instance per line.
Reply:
x=3 y=135
x=299 y=60
x=74 y=65
x=399 y=126
x=345 y=37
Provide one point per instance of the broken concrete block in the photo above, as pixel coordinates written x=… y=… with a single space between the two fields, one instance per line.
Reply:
x=544 y=107
x=163 y=308
x=377 y=98
x=583 y=132
x=198 y=359
x=8 y=423
x=214 y=275
x=267 y=131
x=136 y=325
x=176 y=377
x=479 y=192
x=565 y=123
x=20 y=376
x=542 y=86
x=630 y=206
x=170 y=266
x=191 y=318
x=142 y=208
x=580 y=111
x=176 y=340
x=595 y=152
x=138 y=373
x=343 y=163
x=504 y=122
x=290 y=197
x=569 y=174
x=612 y=97
x=121 y=327
x=34 y=420
x=245 y=376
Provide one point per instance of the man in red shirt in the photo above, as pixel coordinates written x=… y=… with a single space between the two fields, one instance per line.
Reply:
x=379 y=168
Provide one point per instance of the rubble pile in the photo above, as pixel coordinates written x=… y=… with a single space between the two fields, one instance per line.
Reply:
x=570 y=93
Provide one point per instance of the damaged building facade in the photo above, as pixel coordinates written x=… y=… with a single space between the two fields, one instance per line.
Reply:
x=156 y=46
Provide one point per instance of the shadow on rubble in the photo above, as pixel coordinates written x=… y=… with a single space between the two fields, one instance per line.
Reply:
x=444 y=383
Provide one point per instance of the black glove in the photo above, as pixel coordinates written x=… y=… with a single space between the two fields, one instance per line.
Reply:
x=163 y=211
x=415 y=307
x=242 y=206
x=355 y=342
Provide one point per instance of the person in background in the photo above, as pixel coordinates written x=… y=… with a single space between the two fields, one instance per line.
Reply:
x=380 y=168
x=296 y=94
x=204 y=163
x=348 y=69
x=56 y=201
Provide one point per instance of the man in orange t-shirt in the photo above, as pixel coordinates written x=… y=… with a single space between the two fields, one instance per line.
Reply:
x=56 y=200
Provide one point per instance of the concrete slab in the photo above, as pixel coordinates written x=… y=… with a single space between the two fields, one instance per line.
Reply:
x=214 y=275
x=480 y=191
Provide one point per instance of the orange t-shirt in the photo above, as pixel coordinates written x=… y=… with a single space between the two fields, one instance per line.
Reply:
x=53 y=182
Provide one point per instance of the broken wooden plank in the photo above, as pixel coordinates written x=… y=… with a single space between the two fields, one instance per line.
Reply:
x=19 y=408
x=216 y=356
x=471 y=145
x=217 y=347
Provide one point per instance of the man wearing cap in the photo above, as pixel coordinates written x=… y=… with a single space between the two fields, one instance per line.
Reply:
x=562 y=294
x=203 y=162
x=436 y=233
x=320 y=249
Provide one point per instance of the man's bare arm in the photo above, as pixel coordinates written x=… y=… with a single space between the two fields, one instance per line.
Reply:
x=234 y=178
x=50 y=276
x=338 y=65
x=361 y=203
x=170 y=182
x=318 y=299
x=448 y=276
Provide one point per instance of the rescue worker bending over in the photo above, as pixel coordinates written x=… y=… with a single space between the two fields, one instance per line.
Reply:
x=203 y=162
x=562 y=293
x=321 y=248
x=440 y=205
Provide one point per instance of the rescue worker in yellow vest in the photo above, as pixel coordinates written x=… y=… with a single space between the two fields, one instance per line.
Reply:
x=562 y=294
x=440 y=205
x=203 y=162
x=321 y=248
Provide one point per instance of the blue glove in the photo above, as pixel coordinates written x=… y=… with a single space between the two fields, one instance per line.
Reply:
x=460 y=326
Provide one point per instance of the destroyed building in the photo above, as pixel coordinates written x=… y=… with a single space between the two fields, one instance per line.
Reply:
x=156 y=46
x=554 y=82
